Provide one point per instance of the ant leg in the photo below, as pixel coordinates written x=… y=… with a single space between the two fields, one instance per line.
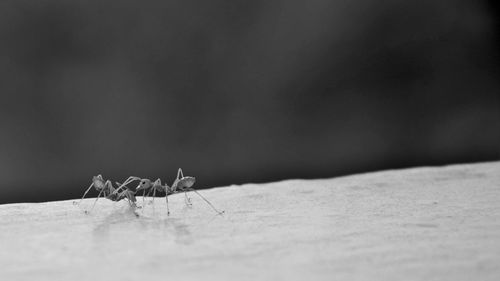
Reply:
x=149 y=192
x=179 y=172
x=131 y=200
x=86 y=191
x=208 y=202
x=111 y=189
x=108 y=189
x=154 y=195
x=120 y=186
x=143 y=194
x=168 y=210
x=187 y=200
x=131 y=179
x=95 y=201
x=124 y=184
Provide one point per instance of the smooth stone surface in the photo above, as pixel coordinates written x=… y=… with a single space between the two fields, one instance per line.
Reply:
x=418 y=224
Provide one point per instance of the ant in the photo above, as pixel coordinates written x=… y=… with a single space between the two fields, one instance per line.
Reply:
x=109 y=191
x=154 y=186
x=181 y=184
x=185 y=184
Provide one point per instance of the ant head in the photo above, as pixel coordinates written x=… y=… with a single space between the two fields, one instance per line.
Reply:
x=143 y=184
x=97 y=178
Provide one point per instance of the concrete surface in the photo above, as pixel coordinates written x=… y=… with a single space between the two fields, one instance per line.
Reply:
x=417 y=224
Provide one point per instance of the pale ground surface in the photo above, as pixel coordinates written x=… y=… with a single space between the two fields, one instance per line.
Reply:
x=417 y=224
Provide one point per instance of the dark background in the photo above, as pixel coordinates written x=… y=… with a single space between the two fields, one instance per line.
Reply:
x=241 y=91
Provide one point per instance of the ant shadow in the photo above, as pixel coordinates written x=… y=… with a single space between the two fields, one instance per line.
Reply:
x=131 y=219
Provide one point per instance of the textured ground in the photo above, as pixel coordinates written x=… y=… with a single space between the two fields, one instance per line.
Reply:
x=417 y=224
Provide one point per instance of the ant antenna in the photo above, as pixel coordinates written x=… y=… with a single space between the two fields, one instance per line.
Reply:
x=166 y=199
x=87 y=191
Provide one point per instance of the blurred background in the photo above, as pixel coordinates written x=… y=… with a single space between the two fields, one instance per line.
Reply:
x=241 y=91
